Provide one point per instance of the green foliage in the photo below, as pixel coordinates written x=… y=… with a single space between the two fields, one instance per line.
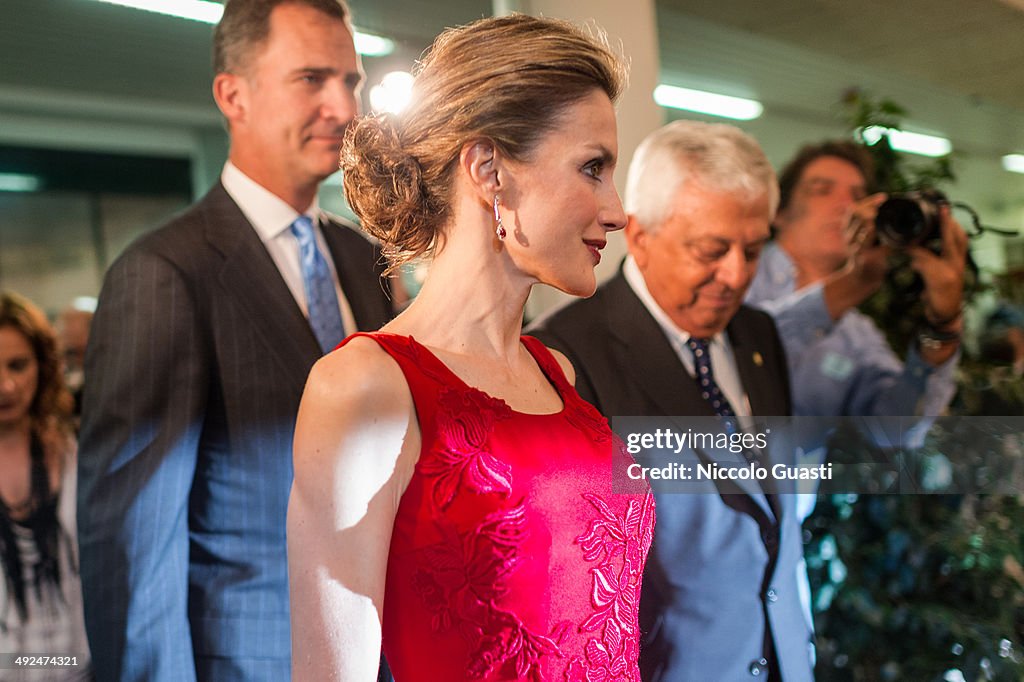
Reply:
x=894 y=172
x=987 y=389
x=910 y=587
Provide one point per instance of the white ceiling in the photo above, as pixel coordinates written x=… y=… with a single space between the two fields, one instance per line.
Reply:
x=101 y=56
x=92 y=50
x=972 y=47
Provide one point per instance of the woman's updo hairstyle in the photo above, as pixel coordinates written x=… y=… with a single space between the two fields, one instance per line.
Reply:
x=504 y=79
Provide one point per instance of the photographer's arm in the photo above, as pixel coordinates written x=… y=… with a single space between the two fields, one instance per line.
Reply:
x=865 y=267
x=885 y=386
x=856 y=282
x=943 y=294
x=926 y=382
x=356 y=445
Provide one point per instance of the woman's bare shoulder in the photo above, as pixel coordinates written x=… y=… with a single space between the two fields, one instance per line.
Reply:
x=565 y=364
x=356 y=426
x=360 y=375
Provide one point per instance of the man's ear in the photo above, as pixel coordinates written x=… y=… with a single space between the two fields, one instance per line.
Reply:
x=483 y=167
x=638 y=241
x=231 y=93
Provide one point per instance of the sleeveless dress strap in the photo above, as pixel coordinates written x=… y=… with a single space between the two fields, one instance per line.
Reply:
x=426 y=374
x=369 y=335
x=548 y=364
x=422 y=375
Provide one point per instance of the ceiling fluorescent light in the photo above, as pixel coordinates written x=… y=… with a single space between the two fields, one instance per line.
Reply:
x=912 y=143
x=210 y=12
x=196 y=10
x=18 y=182
x=707 y=103
x=394 y=92
x=1014 y=163
x=87 y=304
x=370 y=45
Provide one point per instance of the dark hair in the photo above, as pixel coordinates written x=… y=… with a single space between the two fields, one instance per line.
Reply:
x=246 y=23
x=504 y=79
x=846 y=150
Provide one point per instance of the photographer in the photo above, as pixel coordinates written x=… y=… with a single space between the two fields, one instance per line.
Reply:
x=825 y=261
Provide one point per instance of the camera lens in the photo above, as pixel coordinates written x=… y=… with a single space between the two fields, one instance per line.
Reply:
x=901 y=222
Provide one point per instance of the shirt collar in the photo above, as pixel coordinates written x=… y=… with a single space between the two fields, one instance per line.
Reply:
x=268 y=213
x=779 y=269
x=638 y=284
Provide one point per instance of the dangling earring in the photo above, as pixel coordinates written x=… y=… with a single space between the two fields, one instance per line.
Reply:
x=499 y=228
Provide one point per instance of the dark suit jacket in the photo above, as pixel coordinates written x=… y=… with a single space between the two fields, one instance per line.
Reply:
x=196 y=363
x=721 y=576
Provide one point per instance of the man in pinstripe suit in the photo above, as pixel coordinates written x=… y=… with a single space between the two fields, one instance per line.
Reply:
x=199 y=352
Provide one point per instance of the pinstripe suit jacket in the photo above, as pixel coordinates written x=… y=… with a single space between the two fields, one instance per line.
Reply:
x=722 y=572
x=196 y=363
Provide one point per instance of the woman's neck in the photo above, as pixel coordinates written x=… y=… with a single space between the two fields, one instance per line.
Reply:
x=15 y=464
x=15 y=433
x=472 y=301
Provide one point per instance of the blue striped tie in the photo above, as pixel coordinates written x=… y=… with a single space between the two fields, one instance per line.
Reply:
x=321 y=298
x=709 y=390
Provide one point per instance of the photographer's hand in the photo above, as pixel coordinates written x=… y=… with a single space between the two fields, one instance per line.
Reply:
x=866 y=263
x=943 y=294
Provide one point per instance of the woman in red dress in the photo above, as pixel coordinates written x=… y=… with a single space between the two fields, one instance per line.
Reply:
x=453 y=494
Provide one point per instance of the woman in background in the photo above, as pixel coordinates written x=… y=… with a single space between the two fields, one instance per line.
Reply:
x=453 y=493
x=40 y=595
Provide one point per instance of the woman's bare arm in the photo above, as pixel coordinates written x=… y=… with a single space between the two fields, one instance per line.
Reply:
x=356 y=444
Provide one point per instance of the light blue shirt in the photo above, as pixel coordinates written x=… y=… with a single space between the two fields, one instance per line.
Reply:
x=845 y=367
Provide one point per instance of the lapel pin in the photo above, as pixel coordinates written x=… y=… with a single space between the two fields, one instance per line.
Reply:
x=758 y=360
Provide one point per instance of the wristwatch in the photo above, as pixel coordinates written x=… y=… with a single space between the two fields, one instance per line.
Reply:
x=930 y=338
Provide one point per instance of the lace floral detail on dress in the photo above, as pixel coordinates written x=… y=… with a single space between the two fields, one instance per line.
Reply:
x=618 y=546
x=425 y=361
x=465 y=419
x=467 y=554
x=467 y=576
x=585 y=417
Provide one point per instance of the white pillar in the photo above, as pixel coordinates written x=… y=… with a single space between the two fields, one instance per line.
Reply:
x=632 y=31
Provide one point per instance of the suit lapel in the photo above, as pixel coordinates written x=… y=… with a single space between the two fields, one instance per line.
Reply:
x=250 y=275
x=645 y=353
x=754 y=374
x=648 y=355
x=756 y=380
x=742 y=494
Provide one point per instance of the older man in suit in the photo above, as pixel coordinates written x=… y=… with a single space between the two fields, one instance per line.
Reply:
x=205 y=332
x=668 y=335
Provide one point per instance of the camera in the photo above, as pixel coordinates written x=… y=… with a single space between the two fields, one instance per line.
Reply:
x=910 y=219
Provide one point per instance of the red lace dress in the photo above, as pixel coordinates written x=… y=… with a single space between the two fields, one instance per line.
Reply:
x=511 y=558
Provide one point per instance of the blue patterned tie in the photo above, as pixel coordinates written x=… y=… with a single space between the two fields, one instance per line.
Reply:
x=709 y=390
x=321 y=299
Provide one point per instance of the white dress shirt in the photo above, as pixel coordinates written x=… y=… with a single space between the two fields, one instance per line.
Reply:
x=723 y=362
x=272 y=219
